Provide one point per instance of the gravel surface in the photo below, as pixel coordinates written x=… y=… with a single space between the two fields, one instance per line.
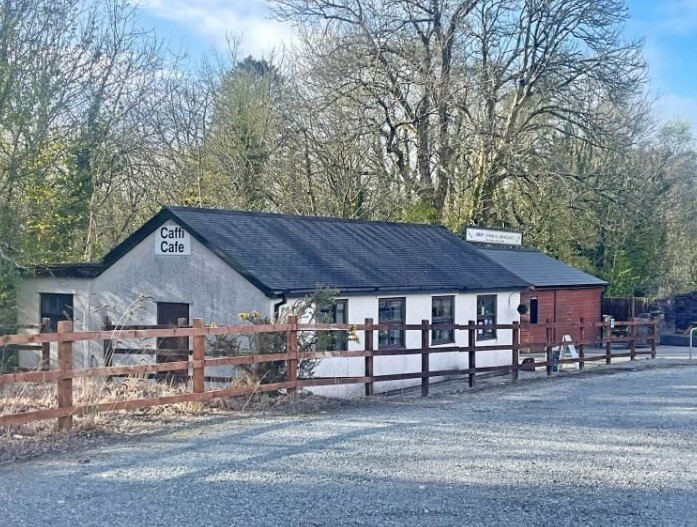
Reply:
x=585 y=449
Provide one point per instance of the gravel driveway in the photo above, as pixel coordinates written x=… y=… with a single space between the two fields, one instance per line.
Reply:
x=591 y=449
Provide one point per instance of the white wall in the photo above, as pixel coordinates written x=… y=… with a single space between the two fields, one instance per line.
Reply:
x=128 y=293
x=418 y=308
x=129 y=290
x=214 y=291
x=29 y=309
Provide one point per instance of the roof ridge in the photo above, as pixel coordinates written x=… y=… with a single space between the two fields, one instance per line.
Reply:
x=174 y=209
x=513 y=248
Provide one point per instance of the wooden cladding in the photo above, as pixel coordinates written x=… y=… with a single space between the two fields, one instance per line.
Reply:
x=563 y=307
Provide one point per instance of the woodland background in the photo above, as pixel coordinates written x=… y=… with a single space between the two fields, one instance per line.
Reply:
x=531 y=115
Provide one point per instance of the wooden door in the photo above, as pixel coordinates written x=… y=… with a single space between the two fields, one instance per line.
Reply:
x=172 y=349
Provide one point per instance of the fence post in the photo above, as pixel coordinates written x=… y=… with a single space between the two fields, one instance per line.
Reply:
x=65 y=386
x=292 y=352
x=582 y=344
x=471 y=353
x=108 y=345
x=198 y=356
x=369 y=371
x=45 y=363
x=548 y=347
x=608 y=343
x=425 y=367
x=654 y=339
x=632 y=340
x=515 y=349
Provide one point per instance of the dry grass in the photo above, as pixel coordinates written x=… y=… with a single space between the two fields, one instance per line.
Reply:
x=20 y=442
x=27 y=397
x=27 y=440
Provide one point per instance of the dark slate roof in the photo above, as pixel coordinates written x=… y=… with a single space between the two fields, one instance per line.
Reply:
x=284 y=254
x=538 y=268
x=66 y=270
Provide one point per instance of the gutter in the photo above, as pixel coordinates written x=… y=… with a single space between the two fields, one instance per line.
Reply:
x=407 y=289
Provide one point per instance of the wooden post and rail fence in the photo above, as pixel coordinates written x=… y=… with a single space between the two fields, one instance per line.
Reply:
x=194 y=368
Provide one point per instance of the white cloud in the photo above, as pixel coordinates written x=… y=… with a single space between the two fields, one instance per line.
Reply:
x=215 y=19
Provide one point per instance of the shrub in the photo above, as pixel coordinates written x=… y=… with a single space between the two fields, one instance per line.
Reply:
x=305 y=309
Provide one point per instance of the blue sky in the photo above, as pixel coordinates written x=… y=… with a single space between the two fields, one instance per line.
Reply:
x=669 y=28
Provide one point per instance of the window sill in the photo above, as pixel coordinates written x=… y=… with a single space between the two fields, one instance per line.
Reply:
x=486 y=338
x=442 y=343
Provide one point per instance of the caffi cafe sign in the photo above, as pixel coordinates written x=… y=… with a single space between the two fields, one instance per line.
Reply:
x=491 y=236
x=172 y=240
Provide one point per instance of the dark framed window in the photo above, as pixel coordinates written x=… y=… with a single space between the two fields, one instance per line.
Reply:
x=443 y=312
x=533 y=310
x=56 y=307
x=391 y=311
x=486 y=314
x=336 y=313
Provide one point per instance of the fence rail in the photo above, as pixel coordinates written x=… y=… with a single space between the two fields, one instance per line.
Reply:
x=625 y=308
x=195 y=366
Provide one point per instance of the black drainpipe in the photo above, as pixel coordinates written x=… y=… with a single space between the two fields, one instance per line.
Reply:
x=277 y=306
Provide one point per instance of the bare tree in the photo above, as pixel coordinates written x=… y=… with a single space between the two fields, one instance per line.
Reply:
x=80 y=89
x=467 y=90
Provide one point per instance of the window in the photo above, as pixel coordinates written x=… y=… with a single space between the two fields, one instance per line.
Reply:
x=486 y=314
x=533 y=310
x=443 y=312
x=336 y=313
x=56 y=307
x=391 y=311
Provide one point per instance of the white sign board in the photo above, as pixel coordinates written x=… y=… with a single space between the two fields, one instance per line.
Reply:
x=568 y=351
x=172 y=240
x=490 y=236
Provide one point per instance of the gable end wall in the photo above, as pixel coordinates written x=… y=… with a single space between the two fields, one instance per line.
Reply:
x=129 y=290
